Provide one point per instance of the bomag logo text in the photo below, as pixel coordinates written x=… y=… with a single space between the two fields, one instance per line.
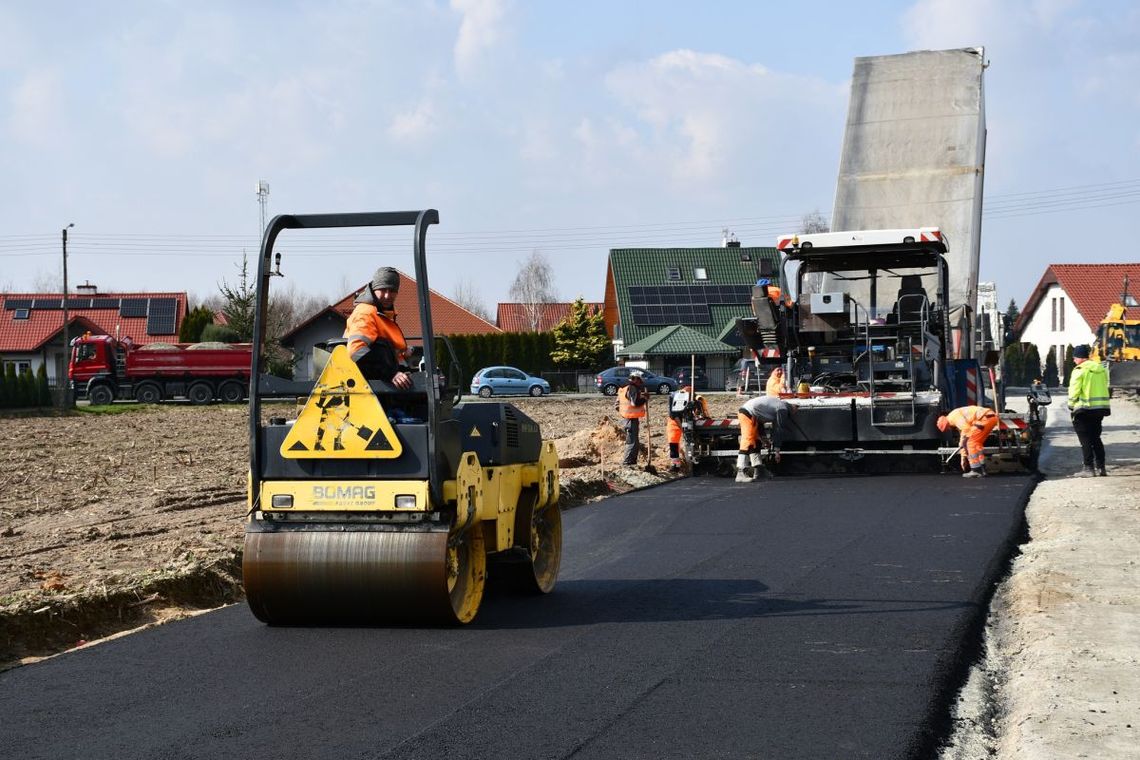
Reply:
x=342 y=493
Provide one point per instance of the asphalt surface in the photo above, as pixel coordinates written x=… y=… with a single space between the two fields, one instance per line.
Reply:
x=797 y=618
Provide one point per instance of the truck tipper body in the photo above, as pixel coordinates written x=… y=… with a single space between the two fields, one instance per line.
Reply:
x=104 y=369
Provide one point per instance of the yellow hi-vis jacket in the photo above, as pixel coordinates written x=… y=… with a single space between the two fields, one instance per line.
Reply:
x=1088 y=388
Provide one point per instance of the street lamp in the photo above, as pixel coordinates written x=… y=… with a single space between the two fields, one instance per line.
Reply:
x=65 y=399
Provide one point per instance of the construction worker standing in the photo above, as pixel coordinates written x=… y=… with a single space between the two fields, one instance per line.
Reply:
x=974 y=425
x=775 y=384
x=633 y=403
x=682 y=403
x=752 y=416
x=1089 y=405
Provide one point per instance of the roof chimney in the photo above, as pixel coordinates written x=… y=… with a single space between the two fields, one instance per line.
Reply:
x=87 y=289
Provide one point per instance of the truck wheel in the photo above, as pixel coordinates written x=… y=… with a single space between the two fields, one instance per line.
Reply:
x=148 y=393
x=200 y=393
x=232 y=392
x=101 y=395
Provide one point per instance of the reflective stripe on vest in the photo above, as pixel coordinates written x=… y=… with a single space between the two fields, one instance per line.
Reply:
x=1088 y=390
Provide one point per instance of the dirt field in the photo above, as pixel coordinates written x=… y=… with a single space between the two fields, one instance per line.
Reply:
x=112 y=521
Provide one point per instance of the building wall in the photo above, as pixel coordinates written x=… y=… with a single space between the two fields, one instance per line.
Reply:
x=1056 y=323
x=52 y=354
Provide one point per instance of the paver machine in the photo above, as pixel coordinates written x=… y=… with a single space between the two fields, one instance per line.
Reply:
x=374 y=504
x=868 y=347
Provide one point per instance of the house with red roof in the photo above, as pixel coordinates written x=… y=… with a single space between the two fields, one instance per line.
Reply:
x=31 y=324
x=1069 y=303
x=539 y=317
x=448 y=318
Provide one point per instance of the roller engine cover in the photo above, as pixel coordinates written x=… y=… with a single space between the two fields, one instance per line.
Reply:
x=498 y=433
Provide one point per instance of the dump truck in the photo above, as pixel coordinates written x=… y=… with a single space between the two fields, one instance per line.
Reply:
x=1117 y=344
x=103 y=368
x=373 y=504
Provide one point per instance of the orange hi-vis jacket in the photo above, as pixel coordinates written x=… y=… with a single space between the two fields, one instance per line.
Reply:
x=627 y=409
x=367 y=325
x=974 y=423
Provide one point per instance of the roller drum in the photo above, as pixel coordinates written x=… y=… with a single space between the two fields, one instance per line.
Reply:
x=297 y=576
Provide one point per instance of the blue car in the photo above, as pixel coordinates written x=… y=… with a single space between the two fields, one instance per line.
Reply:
x=507 y=381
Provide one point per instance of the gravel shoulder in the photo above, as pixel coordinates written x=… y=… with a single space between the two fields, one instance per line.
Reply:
x=1061 y=673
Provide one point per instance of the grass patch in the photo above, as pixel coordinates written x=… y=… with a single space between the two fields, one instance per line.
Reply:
x=114 y=408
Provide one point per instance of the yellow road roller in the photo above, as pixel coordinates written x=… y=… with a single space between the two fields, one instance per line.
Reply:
x=371 y=504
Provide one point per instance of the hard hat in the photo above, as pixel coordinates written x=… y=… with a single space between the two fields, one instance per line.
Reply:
x=943 y=423
x=636 y=375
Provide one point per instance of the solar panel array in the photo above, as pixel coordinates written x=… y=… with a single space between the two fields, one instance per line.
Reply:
x=684 y=304
x=133 y=307
x=161 y=317
x=161 y=313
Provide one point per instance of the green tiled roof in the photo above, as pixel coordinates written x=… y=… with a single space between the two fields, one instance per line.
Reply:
x=676 y=339
x=640 y=267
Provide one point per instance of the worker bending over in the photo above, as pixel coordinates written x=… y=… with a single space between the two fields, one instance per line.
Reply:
x=682 y=402
x=752 y=415
x=974 y=425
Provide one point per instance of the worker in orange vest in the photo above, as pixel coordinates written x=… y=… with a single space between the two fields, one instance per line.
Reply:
x=633 y=404
x=375 y=342
x=775 y=384
x=974 y=425
x=681 y=402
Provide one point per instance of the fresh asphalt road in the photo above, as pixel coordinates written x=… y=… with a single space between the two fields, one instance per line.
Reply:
x=797 y=618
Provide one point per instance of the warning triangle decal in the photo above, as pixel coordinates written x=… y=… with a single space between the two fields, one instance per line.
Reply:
x=342 y=419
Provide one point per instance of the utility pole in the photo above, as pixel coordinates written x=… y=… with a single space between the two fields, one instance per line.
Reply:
x=65 y=397
x=262 y=199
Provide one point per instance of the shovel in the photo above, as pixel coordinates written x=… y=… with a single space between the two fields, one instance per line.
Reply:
x=648 y=443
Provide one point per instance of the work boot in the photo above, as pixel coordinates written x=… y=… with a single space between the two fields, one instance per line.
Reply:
x=742 y=469
x=1101 y=472
x=979 y=473
x=742 y=476
x=1087 y=472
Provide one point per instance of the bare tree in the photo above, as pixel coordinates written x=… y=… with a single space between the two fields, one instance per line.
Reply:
x=47 y=282
x=467 y=295
x=813 y=221
x=534 y=286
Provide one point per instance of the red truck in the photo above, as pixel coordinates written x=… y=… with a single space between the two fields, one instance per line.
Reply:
x=104 y=369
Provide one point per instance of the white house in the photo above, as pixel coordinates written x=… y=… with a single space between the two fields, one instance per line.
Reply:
x=1069 y=303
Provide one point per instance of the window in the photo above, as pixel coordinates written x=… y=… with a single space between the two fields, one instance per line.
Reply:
x=21 y=313
x=1061 y=315
x=21 y=366
x=700 y=273
x=85 y=351
x=673 y=273
x=1053 y=324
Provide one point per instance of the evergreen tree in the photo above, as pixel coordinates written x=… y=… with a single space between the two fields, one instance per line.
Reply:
x=3 y=389
x=239 y=302
x=1032 y=363
x=43 y=390
x=11 y=387
x=219 y=334
x=580 y=340
x=1013 y=364
x=1050 y=377
x=1069 y=364
x=195 y=322
x=1011 y=315
x=27 y=388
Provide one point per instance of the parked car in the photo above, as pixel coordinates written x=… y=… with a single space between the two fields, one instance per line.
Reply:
x=734 y=380
x=608 y=381
x=507 y=381
x=681 y=378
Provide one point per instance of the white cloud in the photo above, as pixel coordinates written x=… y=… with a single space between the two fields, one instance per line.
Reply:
x=37 y=109
x=414 y=125
x=479 y=31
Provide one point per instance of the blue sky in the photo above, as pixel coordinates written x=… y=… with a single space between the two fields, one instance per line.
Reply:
x=566 y=128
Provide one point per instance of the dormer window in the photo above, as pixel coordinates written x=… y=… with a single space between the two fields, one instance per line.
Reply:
x=673 y=274
x=700 y=273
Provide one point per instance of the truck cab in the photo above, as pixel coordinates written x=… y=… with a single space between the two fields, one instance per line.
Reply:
x=94 y=357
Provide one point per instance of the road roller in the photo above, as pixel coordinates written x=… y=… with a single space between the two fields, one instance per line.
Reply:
x=369 y=504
